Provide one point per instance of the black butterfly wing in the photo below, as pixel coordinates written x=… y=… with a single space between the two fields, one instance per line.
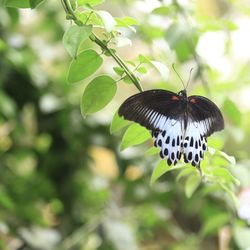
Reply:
x=152 y=108
x=204 y=112
x=203 y=118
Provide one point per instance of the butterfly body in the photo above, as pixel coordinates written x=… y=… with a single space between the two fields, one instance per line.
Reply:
x=179 y=124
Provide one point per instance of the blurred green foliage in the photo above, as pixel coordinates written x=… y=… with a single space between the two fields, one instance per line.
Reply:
x=64 y=183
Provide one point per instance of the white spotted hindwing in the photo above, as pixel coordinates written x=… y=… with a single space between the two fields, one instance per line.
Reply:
x=195 y=143
x=174 y=141
x=169 y=140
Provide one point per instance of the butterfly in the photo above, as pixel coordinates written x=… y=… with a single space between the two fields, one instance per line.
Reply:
x=179 y=124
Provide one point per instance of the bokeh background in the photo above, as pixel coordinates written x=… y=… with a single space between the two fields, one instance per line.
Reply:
x=64 y=184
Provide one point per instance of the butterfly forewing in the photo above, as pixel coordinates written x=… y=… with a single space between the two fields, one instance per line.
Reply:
x=206 y=114
x=152 y=108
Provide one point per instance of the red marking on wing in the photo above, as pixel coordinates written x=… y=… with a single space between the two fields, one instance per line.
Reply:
x=192 y=100
x=175 y=98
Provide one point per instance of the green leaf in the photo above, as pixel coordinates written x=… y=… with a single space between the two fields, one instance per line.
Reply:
x=142 y=70
x=163 y=168
x=159 y=170
x=126 y=22
x=119 y=71
x=17 y=3
x=74 y=36
x=22 y=3
x=127 y=80
x=178 y=37
x=131 y=63
x=89 y=2
x=144 y=59
x=89 y=17
x=163 y=11
x=135 y=134
x=35 y=3
x=6 y=201
x=98 y=94
x=215 y=222
x=117 y=123
x=224 y=175
x=160 y=67
x=152 y=151
x=216 y=142
x=192 y=183
x=228 y=189
x=232 y=112
x=7 y=105
x=3 y=45
x=217 y=25
x=108 y=21
x=185 y=172
x=84 y=65
x=220 y=158
x=151 y=32
x=230 y=159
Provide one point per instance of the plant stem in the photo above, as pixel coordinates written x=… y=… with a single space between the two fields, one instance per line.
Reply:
x=71 y=14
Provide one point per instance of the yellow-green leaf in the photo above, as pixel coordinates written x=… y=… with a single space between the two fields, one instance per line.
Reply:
x=84 y=65
x=89 y=2
x=159 y=170
x=215 y=222
x=152 y=151
x=117 y=123
x=232 y=112
x=22 y=3
x=192 y=183
x=74 y=36
x=135 y=134
x=98 y=94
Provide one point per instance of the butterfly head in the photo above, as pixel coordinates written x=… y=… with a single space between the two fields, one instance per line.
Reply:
x=183 y=94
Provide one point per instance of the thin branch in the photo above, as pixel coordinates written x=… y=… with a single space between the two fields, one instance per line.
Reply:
x=71 y=14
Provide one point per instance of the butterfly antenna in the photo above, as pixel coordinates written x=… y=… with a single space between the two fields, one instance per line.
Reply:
x=173 y=66
x=189 y=78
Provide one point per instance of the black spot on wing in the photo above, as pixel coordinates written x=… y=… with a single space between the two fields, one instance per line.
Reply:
x=178 y=141
x=169 y=162
x=172 y=156
x=168 y=140
x=191 y=142
x=166 y=152
x=161 y=155
x=196 y=157
x=190 y=156
x=185 y=158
